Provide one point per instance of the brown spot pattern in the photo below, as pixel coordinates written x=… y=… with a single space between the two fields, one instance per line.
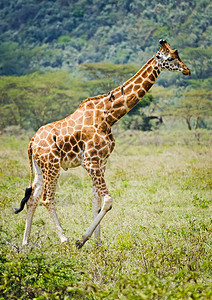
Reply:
x=85 y=138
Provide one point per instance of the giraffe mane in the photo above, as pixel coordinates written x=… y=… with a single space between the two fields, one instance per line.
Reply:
x=99 y=97
x=93 y=99
x=136 y=74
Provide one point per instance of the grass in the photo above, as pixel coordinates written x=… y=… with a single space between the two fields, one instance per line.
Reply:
x=156 y=239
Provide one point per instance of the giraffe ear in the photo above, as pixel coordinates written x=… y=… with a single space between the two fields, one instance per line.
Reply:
x=165 y=46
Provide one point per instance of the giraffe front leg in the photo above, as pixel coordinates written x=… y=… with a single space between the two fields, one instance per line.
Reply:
x=96 y=172
x=96 y=205
x=107 y=205
x=97 y=175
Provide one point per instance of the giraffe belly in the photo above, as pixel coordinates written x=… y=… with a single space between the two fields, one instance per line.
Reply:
x=73 y=163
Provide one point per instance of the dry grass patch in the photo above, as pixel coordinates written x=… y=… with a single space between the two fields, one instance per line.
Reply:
x=156 y=239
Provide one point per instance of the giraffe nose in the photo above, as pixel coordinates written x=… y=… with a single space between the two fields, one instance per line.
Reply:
x=186 y=72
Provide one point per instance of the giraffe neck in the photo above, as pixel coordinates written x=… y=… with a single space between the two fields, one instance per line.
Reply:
x=132 y=91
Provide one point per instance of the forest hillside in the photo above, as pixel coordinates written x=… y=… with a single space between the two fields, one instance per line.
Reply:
x=95 y=45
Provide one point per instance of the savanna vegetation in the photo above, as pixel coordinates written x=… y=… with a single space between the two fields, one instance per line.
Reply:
x=156 y=239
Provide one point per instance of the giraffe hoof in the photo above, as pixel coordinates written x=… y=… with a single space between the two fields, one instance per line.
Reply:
x=98 y=244
x=64 y=239
x=79 y=244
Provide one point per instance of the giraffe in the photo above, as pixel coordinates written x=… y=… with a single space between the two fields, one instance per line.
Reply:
x=84 y=138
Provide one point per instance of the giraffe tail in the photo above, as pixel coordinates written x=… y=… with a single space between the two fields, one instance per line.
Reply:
x=28 y=190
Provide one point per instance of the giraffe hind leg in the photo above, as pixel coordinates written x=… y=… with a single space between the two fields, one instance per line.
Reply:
x=48 y=201
x=32 y=203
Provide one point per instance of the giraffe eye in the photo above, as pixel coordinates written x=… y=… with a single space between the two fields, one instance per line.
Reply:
x=170 y=58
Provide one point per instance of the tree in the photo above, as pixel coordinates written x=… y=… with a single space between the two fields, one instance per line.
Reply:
x=33 y=100
x=106 y=76
x=13 y=60
x=200 y=61
x=137 y=118
x=193 y=107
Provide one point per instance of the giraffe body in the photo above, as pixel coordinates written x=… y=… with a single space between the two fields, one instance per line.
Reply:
x=84 y=138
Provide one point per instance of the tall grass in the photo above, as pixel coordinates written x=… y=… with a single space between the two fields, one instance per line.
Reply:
x=156 y=239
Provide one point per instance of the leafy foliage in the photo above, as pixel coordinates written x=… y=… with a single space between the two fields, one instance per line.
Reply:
x=100 y=41
x=31 y=101
x=156 y=239
x=107 y=75
x=200 y=61
x=91 y=31
x=195 y=106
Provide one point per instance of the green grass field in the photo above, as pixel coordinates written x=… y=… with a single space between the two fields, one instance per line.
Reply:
x=156 y=239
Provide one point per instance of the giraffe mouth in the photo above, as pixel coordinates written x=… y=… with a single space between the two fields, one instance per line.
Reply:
x=186 y=72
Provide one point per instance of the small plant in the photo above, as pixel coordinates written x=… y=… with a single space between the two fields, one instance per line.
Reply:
x=200 y=202
x=64 y=39
x=156 y=242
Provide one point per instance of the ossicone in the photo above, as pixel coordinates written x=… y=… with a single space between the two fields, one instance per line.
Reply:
x=165 y=46
x=162 y=42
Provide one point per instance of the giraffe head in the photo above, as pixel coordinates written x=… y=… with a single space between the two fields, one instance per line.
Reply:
x=170 y=60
